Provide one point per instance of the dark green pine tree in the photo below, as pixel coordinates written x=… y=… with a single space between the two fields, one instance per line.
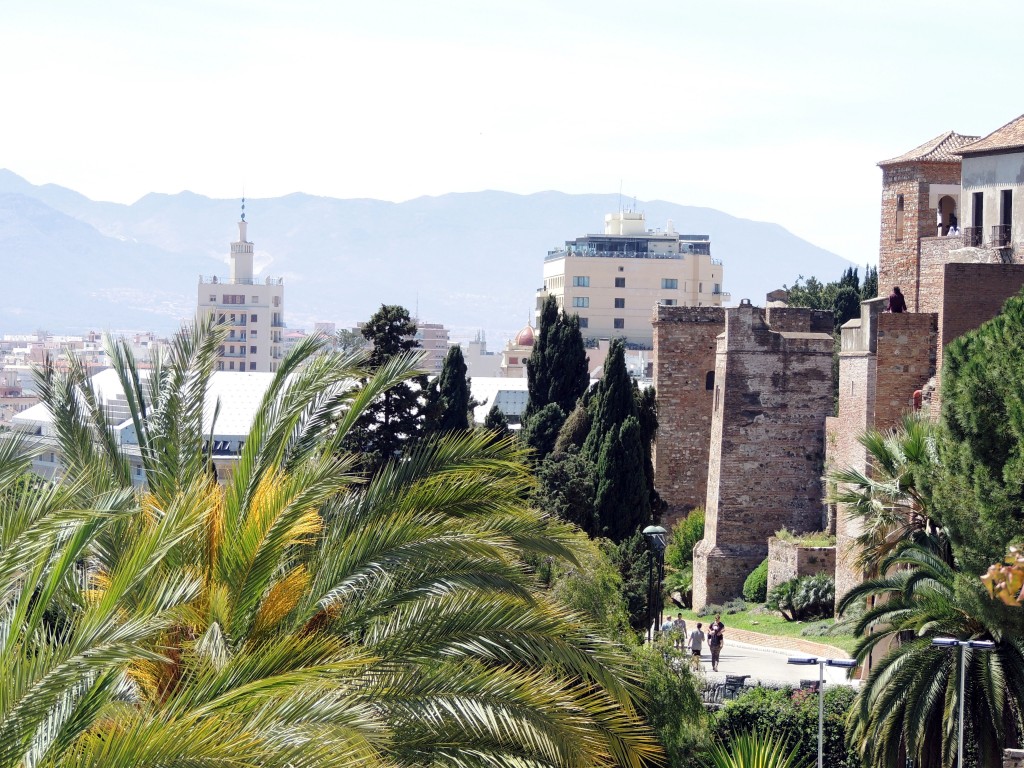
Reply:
x=556 y=369
x=541 y=431
x=394 y=420
x=496 y=422
x=979 y=492
x=448 y=398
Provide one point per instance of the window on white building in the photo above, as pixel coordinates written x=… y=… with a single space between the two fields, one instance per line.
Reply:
x=669 y=283
x=619 y=322
x=581 y=281
x=620 y=282
x=581 y=301
x=620 y=303
x=584 y=322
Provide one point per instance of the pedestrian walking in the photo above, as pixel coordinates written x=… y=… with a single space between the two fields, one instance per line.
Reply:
x=696 y=642
x=678 y=631
x=716 y=639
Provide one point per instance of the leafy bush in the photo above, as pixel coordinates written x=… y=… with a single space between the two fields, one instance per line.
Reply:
x=793 y=717
x=755 y=588
x=808 y=597
x=684 y=537
x=674 y=706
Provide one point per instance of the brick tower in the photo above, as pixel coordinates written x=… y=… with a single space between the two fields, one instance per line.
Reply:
x=685 y=340
x=920 y=198
x=772 y=391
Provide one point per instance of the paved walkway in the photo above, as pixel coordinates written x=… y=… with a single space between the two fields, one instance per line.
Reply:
x=764 y=659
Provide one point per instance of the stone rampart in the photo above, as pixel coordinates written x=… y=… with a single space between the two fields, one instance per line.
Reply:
x=773 y=390
x=791 y=560
x=685 y=341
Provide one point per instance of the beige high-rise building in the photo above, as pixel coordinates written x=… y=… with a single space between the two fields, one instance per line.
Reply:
x=613 y=281
x=251 y=308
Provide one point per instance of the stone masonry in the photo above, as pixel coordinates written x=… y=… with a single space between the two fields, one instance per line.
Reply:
x=684 y=373
x=773 y=390
x=790 y=560
x=885 y=358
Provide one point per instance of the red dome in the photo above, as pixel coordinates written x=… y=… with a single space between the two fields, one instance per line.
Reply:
x=525 y=337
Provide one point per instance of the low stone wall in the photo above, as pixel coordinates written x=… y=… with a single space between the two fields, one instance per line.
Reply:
x=1013 y=758
x=788 y=560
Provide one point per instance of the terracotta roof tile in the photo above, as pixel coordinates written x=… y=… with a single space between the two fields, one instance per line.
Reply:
x=1010 y=136
x=941 y=149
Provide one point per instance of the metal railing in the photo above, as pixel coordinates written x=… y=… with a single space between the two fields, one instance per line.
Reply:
x=1000 y=235
x=215 y=280
x=972 y=237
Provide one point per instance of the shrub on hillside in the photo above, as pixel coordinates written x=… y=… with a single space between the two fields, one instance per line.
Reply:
x=684 y=537
x=807 y=597
x=755 y=588
x=793 y=715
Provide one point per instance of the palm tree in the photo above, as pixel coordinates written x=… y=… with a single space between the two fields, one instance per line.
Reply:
x=755 y=750
x=890 y=502
x=911 y=698
x=299 y=615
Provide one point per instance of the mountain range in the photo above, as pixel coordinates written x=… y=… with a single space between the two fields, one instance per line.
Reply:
x=468 y=260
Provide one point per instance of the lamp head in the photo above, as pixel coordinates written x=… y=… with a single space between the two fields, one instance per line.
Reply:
x=844 y=663
x=808 y=661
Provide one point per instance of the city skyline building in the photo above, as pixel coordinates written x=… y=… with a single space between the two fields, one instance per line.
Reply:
x=615 y=279
x=250 y=308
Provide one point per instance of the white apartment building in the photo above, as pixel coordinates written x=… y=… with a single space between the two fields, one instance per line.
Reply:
x=251 y=308
x=614 y=280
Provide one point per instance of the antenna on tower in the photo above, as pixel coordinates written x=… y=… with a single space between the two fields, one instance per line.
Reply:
x=620 y=195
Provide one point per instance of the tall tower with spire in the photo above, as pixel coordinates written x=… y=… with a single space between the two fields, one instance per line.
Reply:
x=250 y=308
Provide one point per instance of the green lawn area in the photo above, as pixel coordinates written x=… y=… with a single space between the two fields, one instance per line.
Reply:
x=756 y=619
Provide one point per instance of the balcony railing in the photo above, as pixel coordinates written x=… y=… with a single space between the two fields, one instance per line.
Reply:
x=1000 y=235
x=726 y=296
x=972 y=237
x=590 y=253
x=215 y=280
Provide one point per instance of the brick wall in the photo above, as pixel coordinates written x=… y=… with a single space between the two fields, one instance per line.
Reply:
x=773 y=391
x=788 y=560
x=856 y=408
x=898 y=262
x=684 y=354
x=905 y=360
x=972 y=294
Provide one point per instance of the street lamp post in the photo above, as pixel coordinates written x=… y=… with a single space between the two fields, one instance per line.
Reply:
x=656 y=542
x=952 y=642
x=822 y=663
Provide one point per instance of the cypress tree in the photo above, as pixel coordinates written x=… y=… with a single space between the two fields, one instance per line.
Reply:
x=557 y=367
x=448 y=398
x=613 y=401
x=622 y=502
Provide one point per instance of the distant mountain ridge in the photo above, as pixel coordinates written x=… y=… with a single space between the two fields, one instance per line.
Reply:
x=468 y=260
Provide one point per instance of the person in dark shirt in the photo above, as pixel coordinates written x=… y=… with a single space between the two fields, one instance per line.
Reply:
x=896 y=301
x=716 y=640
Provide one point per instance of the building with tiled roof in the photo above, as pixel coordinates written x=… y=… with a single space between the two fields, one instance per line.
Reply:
x=1006 y=139
x=941 y=149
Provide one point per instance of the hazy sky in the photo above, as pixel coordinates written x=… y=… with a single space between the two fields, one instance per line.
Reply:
x=773 y=111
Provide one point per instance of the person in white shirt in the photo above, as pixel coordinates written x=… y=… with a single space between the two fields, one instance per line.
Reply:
x=695 y=643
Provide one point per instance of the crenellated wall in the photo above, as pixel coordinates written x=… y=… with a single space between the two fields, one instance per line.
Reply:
x=773 y=390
